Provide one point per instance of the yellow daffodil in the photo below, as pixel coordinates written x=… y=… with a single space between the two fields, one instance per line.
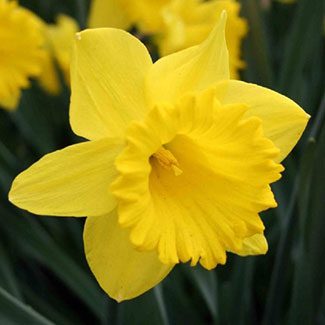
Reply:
x=188 y=22
x=176 y=24
x=60 y=38
x=21 y=52
x=49 y=79
x=178 y=162
x=145 y=14
x=108 y=13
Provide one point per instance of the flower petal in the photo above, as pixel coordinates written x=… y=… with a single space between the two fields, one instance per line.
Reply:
x=107 y=81
x=145 y=14
x=108 y=13
x=192 y=69
x=282 y=119
x=122 y=272
x=61 y=37
x=11 y=103
x=49 y=79
x=188 y=22
x=21 y=57
x=254 y=245
x=70 y=182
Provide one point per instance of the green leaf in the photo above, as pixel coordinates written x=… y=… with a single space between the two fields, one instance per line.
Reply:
x=145 y=309
x=8 y=280
x=238 y=292
x=277 y=290
x=206 y=282
x=257 y=46
x=14 y=312
x=37 y=244
x=159 y=296
x=46 y=307
x=310 y=264
x=304 y=38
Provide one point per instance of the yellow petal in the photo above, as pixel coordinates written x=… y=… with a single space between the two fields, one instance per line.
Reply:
x=70 y=182
x=236 y=30
x=282 y=119
x=10 y=103
x=254 y=245
x=145 y=14
x=121 y=271
x=61 y=36
x=59 y=40
x=188 y=22
x=107 y=80
x=49 y=78
x=21 y=42
x=193 y=178
x=193 y=69
x=108 y=13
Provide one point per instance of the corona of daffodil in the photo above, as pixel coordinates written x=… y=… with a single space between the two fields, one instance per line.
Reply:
x=175 y=24
x=178 y=164
x=21 y=52
x=59 y=38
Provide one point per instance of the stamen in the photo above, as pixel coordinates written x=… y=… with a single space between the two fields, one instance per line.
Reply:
x=167 y=160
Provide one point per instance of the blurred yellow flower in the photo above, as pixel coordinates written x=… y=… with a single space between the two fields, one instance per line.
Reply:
x=188 y=22
x=49 y=78
x=108 y=13
x=59 y=38
x=145 y=14
x=175 y=24
x=179 y=161
x=21 y=52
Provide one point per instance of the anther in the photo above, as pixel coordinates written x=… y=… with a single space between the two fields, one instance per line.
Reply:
x=167 y=160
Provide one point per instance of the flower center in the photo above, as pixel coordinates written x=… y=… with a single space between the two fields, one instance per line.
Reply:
x=167 y=160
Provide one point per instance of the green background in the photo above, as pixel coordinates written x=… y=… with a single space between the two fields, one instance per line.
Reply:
x=44 y=278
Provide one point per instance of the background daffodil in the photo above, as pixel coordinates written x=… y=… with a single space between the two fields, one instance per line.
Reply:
x=187 y=23
x=178 y=162
x=21 y=51
x=145 y=14
x=175 y=24
x=59 y=38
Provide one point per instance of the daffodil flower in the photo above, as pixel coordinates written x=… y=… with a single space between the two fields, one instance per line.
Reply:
x=145 y=14
x=178 y=162
x=21 y=51
x=175 y=24
x=60 y=37
x=189 y=22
